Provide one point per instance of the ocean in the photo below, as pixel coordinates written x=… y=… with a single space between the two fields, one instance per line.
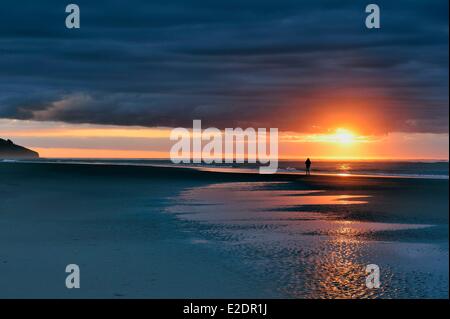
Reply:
x=435 y=169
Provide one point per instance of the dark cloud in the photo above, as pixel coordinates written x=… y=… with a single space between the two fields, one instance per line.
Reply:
x=288 y=64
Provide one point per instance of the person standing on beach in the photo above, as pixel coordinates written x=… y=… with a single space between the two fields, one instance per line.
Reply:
x=308 y=166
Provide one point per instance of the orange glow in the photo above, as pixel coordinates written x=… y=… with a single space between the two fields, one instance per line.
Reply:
x=342 y=142
x=339 y=136
x=133 y=132
x=97 y=153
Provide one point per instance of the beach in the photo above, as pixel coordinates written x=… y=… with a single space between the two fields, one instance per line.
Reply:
x=165 y=232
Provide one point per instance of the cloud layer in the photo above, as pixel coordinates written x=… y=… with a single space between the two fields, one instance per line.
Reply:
x=296 y=65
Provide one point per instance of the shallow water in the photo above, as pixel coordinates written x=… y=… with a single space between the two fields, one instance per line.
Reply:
x=311 y=253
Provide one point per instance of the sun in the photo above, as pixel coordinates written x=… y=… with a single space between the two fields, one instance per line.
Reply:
x=344 y=136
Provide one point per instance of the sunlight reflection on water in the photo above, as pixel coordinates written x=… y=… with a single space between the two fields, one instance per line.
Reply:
x=306 y=253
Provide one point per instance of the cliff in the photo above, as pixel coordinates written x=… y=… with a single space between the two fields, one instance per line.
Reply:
x=9 y=150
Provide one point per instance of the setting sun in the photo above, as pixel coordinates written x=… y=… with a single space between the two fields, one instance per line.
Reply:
x=344 y=136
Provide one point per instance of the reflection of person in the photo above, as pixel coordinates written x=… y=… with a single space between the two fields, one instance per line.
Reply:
x=308 y=166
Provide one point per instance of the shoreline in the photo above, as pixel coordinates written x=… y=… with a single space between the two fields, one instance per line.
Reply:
x=228 y=170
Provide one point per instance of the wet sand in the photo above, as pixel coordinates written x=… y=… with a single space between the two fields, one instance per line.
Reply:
x=153 y=232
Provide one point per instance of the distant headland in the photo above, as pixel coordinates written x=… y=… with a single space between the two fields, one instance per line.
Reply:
x=9 y=150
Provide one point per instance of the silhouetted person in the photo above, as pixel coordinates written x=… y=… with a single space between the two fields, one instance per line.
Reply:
x=308 y=166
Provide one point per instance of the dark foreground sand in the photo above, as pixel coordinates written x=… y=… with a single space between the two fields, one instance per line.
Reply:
x=151 y=232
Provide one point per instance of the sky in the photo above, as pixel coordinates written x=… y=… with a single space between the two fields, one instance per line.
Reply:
x=115 y=87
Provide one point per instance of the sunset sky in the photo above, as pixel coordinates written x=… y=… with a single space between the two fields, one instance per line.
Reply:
x=333 y=88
